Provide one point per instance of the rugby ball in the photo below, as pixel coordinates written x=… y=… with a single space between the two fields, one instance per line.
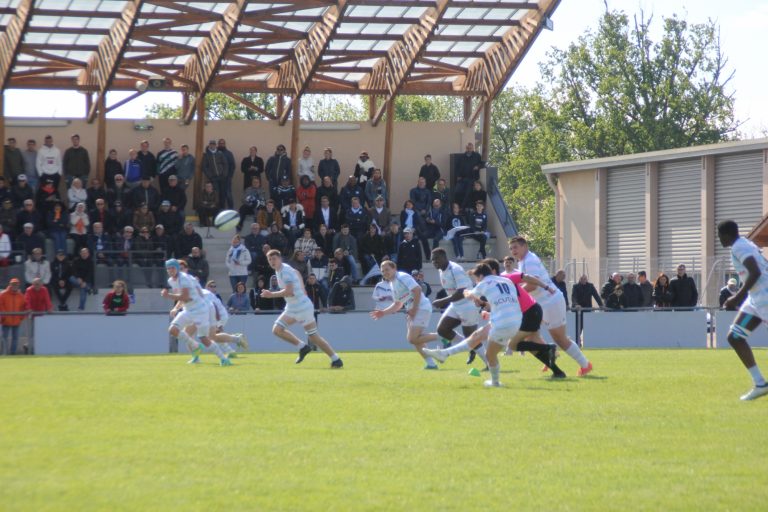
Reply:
x=226 y=220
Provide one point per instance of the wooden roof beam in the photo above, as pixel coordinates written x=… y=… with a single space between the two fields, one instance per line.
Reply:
x=11 y=39
x=390 y=72
x=103 y=64
x=296 y=73
x=202 y=67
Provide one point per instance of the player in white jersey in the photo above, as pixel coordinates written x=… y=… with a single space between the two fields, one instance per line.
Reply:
x=382 y=295
x=194 y=315
x=753 y=272
x=461 y=311
x=506 y=315
x=218 y=319
x=552 y=305
x=298 y=309
x=406 y=292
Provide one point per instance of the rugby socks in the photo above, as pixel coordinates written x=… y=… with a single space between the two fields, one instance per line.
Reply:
x=575 y=352
x=334 y=357
x=530 y=346
x=541 y=355
x=217 y=350
x=480 y=351
x=430 y=361
x=301 y=344
x=757 y=377
x=191 y=344
x=459 y=347
x=445 y=342
x=495 y=373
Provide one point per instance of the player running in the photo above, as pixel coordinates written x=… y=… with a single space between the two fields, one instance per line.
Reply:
x=552 y=305
x=218 y=319
x=753 y=272
x=407 y=292
x=193 y=318
x=298 y=308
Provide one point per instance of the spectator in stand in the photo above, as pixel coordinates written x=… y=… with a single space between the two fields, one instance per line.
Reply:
x=251 y=166
x=306 y=244
x=270 y=215
x=662 y=295
x=409 y=217
x=29 y=214
x=215 y=170
x=335 y=271
x=208 y=206
x=392 y=239
x=728 y=291
x=278 y=167
x=457 y=220
x=646 y=288
x=342 y=263
x=166 y=164
x=347 y=243
x=5 y=192
x=94 y=192
x=124 y=244
x=144 y=255
x=380 y=215
x=171 y=221
x=229 y=174
x=117 y=301
x=61 y=271
x=434 y=226
x=357 y=219
x=49 y=161
x=306 y=164
x=371 y=248
x=253 y=201
x=46 y=196
x=374 y=188
x=328 y=190
x=30 y=163
x=78 y=226
x=148 y=161
x=299 y=263
x=613 y=282
x=324 y=239
x=145 y=193
x=478 y=223
x=21 y=192
x=37 y=300
x=259 y=303
x=293 y=222
x=131 y=170
x=318 y=266
x=122 y=217
x=198 y=265
x=187 y=240
x=329 y=167
x=57 y=225
x=306 y=195
x=184 y=167
x=11 y=301
x=429 y=172
x=342 y=297
x=468 y=169
x=633 y=294
x=315 y=293
x=13 y=160
x=443 y=193
x=121 y=193
x=284 y=193
x=163 y=243
x=175 y=195
x=261 y=265
x=476 y=194
x=326 y=216
x=143 y=218
x=363 y=170
x=36 y=267
x=683 y=290
x=238 y=302
x=349 y=191
x=615 y=301
x=421 y=197
x=418 y=276
x=76 y=162
x=276 y=239
x=408 y=254
x=112 y=167
x=5 y=248
x=28 y=240
x=583 y=292
x=100 y=245
x=8 y=216
x=278 y=303
x=254 y=240
x=82 y=276
x=559 y=280
x=238 y=261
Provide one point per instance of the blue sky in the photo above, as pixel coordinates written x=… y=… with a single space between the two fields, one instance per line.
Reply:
x=744 y=37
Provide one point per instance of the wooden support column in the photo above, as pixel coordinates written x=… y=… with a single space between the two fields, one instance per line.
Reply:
x=467 y=109
x=88 y=103
x=199 y=147
x=101 y=135
x=388 y=142
x=295 y=125
x=486 y=129
x=280 y=106
x=2 y=133
x=371 y=107
x=184 y=103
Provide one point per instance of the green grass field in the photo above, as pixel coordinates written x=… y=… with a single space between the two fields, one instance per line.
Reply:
x=651 y=430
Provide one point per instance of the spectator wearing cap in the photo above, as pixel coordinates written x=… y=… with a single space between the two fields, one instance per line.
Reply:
x=215 y=169
x=21 y=191
x=284 y=193
x=97 y=190
x=30 y=163
x=8 y=217
x=145 y=193
x=363 y=170
x=380 y=215
x=76 y=162
x=28 y=240
x=61 y=271
x=101 y=245
x=147 y=160
x=252 y=166
x=166 y=164
x=184 y=167
x=5 y=248
x=429 y=172
x=186 y=240
x=11 y=301
x=122 y=217
x=83 y=276
x=78 y=226
x=348 y=191
x=374 y=188
x=36 y=266
x=46 y=196
x=175 y=195
x=5 y=192
x=112 y=167
x=49 y=161
x=408 y=253
x=13 y=160
x=278 y=167
x=728 y=291
x=29 y=214
x=329 y=167
x=172 y=222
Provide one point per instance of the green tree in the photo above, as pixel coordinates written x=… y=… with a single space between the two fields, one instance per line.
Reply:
x=429 y=108
x=218 y=106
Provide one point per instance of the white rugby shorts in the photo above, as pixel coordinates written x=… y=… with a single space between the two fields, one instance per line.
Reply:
x=468 y=315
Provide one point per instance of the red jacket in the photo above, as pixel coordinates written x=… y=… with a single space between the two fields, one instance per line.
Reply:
x=306 y=197
x=38 y=300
